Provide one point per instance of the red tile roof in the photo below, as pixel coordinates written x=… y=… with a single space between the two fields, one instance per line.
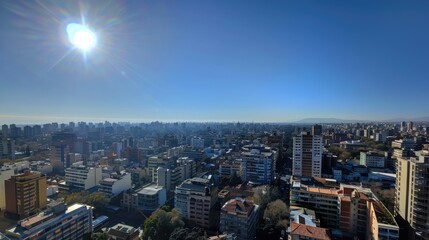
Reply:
x=309 y=231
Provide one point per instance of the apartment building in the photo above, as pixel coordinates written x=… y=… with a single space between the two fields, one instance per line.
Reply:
x=78 y=176
x=26 y=193
x=240 y=217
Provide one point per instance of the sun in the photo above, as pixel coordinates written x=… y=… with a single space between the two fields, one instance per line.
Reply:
x=81 y=37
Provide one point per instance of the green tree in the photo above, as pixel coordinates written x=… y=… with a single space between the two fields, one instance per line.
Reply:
x=188 y=234
x=276 y=213
x=161 y=224
x=100 y=236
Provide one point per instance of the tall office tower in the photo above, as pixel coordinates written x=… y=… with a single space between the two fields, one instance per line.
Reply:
x=403 y=126
x=412 y=194
x=410 y=126
x=7 y=148
x=5 y=130
x=59 y=157
x=26 y=193
x=316 y=130
x=307 y=155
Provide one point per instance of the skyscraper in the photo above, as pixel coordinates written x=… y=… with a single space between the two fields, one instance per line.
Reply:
x=316 y=130
x=307 y=155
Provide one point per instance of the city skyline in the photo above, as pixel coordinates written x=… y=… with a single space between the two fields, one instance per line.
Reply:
x=209 y=62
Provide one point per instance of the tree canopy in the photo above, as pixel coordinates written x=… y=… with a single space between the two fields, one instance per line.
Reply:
x=161 y=224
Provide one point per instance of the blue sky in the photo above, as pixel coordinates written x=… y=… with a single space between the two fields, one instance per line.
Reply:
x=269 y=61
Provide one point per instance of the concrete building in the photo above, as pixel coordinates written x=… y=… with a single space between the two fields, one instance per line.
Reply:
x=258 y=164
x=412 y=194
x=352 y=145
x=404 y=143
x=7 y=148
x=81 y=177
x=240 y=217
x=59 y=157
x=195 y=199
x=352 y=209
x=197 y=143
x=316 y=130
x=115 y=184
x=26 y=193
x=123 y=232
x=57 y=222
x=372 y=159
x=148 y=198
x=5 y=174
x=307 y=155
x=229 y=168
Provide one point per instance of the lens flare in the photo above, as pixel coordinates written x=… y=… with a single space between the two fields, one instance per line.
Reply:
x=81 y=37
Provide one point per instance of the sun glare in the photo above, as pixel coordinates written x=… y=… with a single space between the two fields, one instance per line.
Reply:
x=81 y=37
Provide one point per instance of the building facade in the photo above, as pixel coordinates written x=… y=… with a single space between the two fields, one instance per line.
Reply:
x=240 y=217
x=26 y=193
x=73 y=222
x=307 y=155
x=195 y=199
x=81 y=177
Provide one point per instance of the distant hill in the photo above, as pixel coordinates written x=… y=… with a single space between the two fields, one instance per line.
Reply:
x=417 y=119
x=338 y=120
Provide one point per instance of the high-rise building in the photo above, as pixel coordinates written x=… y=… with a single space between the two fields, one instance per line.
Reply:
x=307 y=155
x=240 y=217
x=195 y=199
x=5 y=130
x=410 y=126
x=316 y=130
x=258 y=164
x=26 y=193
x=59 y=157
x=403 y=126
x=412 y=194
x=5 y=174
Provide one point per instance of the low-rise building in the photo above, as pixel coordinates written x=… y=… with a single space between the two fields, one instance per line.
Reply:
x=299 y=231
x=372 y=159
x=115 y=184
x=240 y=217
x=123 y=232
x=147 y=198
x=79 y=176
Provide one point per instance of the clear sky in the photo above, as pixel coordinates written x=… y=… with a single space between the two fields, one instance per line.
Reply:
x=215 y=60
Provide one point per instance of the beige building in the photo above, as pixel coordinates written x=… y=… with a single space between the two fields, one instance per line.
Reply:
x=195 y=199
x=412 y=194
x=5 y=174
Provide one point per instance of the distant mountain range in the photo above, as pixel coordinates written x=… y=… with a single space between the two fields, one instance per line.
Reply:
x=337 y=120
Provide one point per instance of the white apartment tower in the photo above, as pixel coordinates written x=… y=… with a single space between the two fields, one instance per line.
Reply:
x=307 y=155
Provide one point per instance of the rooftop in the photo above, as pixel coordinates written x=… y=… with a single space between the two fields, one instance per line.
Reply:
x=239 y=207
x=309 y=231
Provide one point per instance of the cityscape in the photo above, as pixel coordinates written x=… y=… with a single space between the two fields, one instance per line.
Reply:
x=214 y=120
